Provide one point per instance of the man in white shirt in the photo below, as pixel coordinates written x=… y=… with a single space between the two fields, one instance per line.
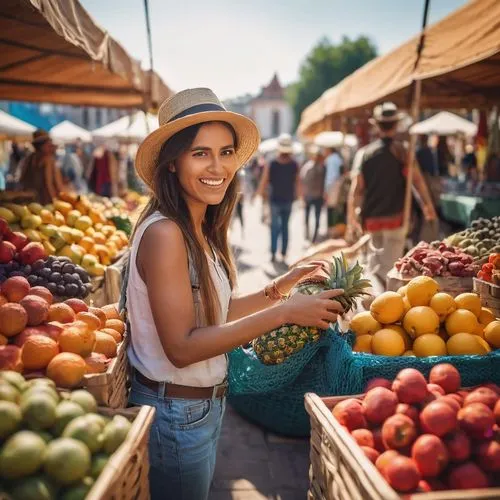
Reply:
x=334 y=164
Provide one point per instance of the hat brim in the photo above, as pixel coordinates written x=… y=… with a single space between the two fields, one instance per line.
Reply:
x=385 y=119
x=247 y=137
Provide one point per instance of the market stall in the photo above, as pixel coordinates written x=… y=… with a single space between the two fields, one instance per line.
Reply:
x=12 y=127
x=444 y=123
x=67 y=131
x=131 y=128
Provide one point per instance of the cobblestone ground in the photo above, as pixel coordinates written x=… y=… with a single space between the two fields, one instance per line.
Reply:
x=253 y=464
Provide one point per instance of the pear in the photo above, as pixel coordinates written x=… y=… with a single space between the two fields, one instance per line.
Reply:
x=35 y=208
x=31 y=222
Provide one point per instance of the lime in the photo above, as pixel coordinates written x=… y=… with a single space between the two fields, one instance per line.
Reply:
x=67 y=460
x=10 y=418
x=21 y=455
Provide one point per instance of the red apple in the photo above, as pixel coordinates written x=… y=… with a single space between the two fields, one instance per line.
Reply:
x=7 y=252
x=18 y=239
x=32 y=252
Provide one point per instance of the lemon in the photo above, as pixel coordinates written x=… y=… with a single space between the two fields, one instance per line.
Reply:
x=387 y=308
x=492 y=334
x=421 y=290
x=461 y=321
x=387 y=342
x=429 y=345
x=363 y=323
x=421 y=320
x=469 y=301
x=443 y=304
x=465 y=343
x=363 y=344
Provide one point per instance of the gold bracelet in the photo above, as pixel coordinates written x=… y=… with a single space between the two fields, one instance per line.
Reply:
x=272 y=292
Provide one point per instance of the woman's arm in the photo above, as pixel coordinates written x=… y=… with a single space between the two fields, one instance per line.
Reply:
x=163 y=264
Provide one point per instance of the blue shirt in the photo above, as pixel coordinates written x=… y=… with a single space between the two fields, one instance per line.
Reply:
x=333 y=164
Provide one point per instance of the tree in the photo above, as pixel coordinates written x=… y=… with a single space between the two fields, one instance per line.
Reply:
x=325 y=66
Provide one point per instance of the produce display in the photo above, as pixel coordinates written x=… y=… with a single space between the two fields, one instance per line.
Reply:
x=62 y=341
x=490 y=271
x=480 y=239
x=427 y=435
x=54 y=444
x=418 y=320
x=277 y=345
x=436 y=259
x=72 y=226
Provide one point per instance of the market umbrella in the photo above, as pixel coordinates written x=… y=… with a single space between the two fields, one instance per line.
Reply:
x=444 y=123
x=67 y=131
x=10 y=126
x=335 y=139
x=53 y=51
x=131 y=127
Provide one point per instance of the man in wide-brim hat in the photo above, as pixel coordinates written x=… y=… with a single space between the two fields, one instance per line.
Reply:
x=377 y=195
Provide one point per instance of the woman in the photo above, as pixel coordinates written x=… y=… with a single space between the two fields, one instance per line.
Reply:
x=182 y=315
x=39 y=172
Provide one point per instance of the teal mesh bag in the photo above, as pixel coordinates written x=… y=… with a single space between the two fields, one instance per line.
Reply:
x=273 y=395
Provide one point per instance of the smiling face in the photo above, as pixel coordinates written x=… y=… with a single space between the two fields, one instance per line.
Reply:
x=207 y=168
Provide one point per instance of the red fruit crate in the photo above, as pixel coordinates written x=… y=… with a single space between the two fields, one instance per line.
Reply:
x=341 y=471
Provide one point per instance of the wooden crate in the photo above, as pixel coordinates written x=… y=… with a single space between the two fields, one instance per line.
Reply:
x=340 y=470
x=110 y=388
x=449 y=284
x=490 y=295
x=125 y=476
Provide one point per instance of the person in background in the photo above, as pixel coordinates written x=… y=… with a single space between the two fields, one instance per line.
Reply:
x=333 y=165
x=377 y=195
x=443 y=156
x=312 y=179
x=425 y=157
x=469 y=163
x=72 y=169
x=102 y=176
x=281 y=176
x=39 y=173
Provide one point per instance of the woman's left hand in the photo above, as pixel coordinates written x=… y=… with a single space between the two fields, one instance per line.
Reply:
x=287 y=281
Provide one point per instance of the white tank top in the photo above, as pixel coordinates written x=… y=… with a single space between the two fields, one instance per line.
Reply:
x=145 y=351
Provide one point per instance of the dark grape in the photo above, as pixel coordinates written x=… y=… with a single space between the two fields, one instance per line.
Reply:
x=32 y=280
x=2 y=278
x=68 y=278
x=63 y=259
x=51 y=259
x=52 y=288
x=14 y=265
x=56 y=268
x=55 y=277
x=71 y=290
x=27 y=269
x=39 y=264
x=60 y=290
x=83 y=274
x=45 y=272
x=68 y=268
x=16 y=273
x=82 y=291
x=76 y=277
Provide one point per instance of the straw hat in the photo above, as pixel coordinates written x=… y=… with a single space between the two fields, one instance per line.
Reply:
x=285 y=144
x=386 y=112
x=190 y=107
x=40 y=135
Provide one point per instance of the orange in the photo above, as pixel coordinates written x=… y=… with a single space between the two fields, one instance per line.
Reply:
x=387 y=342
x=484 y=344
x=461 y=321
x=99 y=238
x=66 y=369
x=420 y=290
x=38 y=350
x=443 y=304
x=400 y=330
x=429 y=345
x=469 y=301
x=421 y=320
x=116 y=335
x=91 y=320
x=479 y=330
x=100 y=314
x=387 y=307
x=492 y=334
x=406 y=305
x=402 y=290
x=111 y=311
x=465 y=343
x=486 y=316
x=87 y=243
x=105 y=344
x=116 y=324
x=363 y=323
x=363 y=344
x=77 y=339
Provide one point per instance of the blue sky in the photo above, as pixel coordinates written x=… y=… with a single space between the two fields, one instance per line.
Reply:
x=234 y=46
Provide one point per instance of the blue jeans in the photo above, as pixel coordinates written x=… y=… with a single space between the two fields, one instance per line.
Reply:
x=182 y=443
x=280 y=215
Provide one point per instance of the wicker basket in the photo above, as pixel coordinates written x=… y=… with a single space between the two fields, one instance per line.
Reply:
x=490 y=295
x=451 y=284
x=340 y=470
x=110 y=388
x=125 y=476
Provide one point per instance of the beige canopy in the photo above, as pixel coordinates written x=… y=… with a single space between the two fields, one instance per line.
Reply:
x=459 y=67
x=52 y=51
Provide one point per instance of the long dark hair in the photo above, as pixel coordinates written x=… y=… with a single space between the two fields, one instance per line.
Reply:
x=168 y=200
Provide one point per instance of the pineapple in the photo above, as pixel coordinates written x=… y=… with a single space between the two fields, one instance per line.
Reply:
x=276 y=346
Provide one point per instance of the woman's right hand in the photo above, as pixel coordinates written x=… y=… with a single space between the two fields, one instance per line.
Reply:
x=313 y=310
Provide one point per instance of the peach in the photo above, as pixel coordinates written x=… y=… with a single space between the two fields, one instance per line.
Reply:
x=116 y=324
x=409 y=411
x=28 y=332
x=77 y=305
x=451 y=401
x=92 y=321
x=467 y=476
x=488 y=456
x=379 y=404
x=402 y=474
x=482 y=395
x=15 y=288
x=477 y=420
x=100 y=314
x=42 y=292
x=438 y=418
x=436 y=389
x=13 y=319
x=37 y=309
x=378 y=382
x=430 y=455
x=458 y=445
x=3 y=300
x=384 y=459
x=370 y=453
x=410 y=386
x=377 y=439
x=10 y=358
x=62 y=313
x=96 y=363
x=446 y=376
x=118 y=338
x=350 y=413
x=363 y=437
x=398 y=431
x=111 y=311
